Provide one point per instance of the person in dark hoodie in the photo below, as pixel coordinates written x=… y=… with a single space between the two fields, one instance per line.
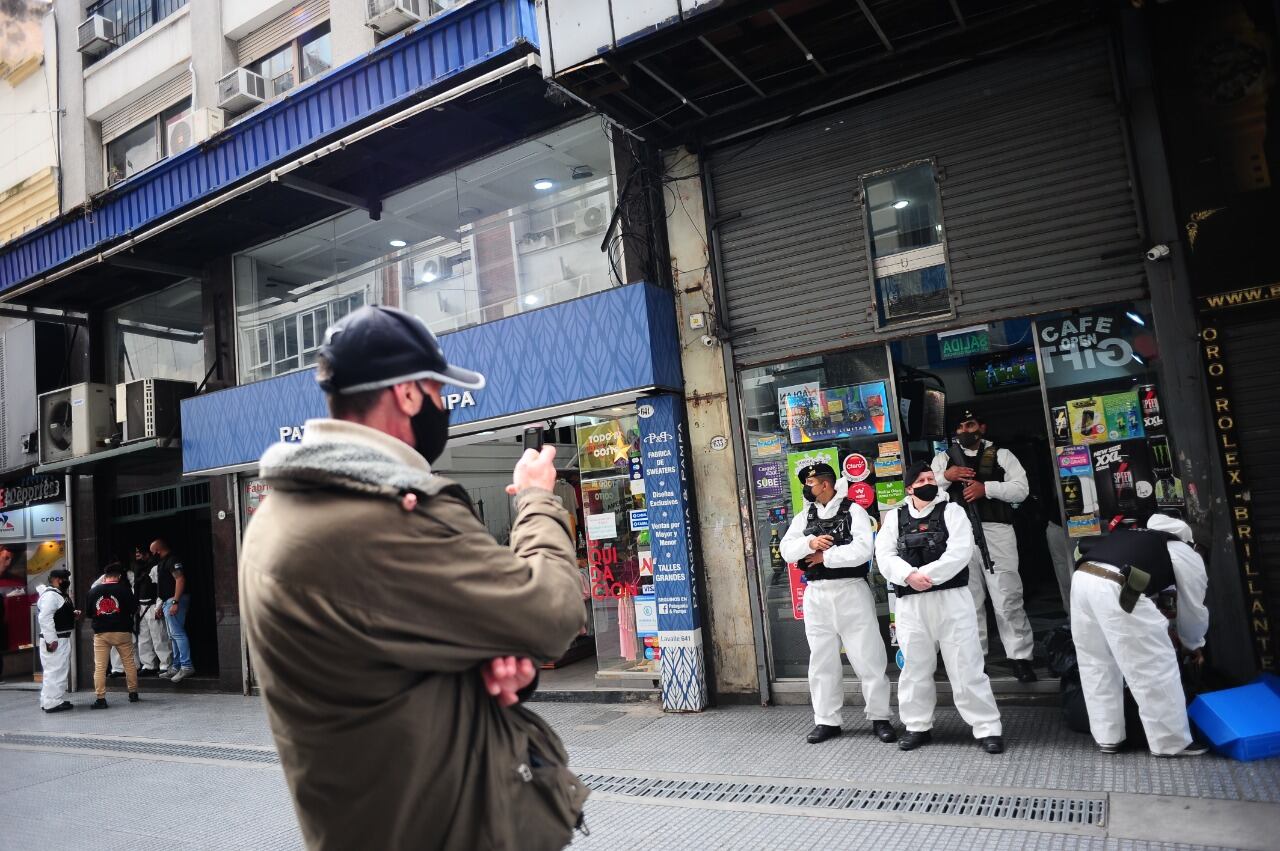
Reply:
x=111 y=605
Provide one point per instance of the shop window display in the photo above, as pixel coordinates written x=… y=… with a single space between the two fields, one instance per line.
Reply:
x=837 y=409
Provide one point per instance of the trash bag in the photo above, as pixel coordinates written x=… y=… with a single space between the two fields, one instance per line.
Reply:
x=1061 y=652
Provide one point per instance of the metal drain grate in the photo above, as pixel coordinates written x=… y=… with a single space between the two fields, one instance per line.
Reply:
x=1039 y=809
x=144 y=747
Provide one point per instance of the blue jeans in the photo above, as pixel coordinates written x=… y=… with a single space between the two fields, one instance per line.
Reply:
x=178 y=632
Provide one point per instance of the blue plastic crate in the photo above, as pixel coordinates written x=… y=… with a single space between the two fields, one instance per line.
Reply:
x=1242 y=723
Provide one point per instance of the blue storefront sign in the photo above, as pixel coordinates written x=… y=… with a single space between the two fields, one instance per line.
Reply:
x=666 y=480
x=534 y=361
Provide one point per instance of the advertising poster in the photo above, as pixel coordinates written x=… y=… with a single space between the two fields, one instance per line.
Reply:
x=1125 y=482
x=769 y=446
x=809 y=413
x=1169 y=493
x=1152 y=415
x=768 y=479
x=863 y=494
x=889 y=447
x=797 y=461
x=13 y=525
x=890 y=493
x=605 y=446
x=1088 y=420
x=856 y=467
x=796 y=577
x=47 y=520
x=1123 y=416
x=890 y=466
x=1061 y=425
x=1079 y=493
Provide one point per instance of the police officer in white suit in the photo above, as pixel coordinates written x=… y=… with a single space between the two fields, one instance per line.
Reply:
x=992 y=479
x=1115 y=646
x=831 y=541
x=56 y=616
x=924 y=549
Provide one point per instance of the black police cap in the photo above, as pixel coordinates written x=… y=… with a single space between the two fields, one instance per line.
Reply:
x=969 y=414
x=376 y=347
x=814 y=470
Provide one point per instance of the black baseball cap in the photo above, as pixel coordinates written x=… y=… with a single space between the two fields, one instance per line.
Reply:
x=376 y=347
x=814 y=470
x=970 y=414
x=60 y=573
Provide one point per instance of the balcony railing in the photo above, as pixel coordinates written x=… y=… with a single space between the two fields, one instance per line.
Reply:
x=133 y=17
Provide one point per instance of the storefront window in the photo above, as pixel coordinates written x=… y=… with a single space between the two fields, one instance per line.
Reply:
x=1114 y=461
x=513 y=232
x=157 y=336
x=837 y=409
x=907 y=246
x=32 y=543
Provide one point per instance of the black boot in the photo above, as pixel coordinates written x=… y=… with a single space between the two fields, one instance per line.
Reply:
x=992 y=744
x=821 y=733
x=1022 y=671
x=913 y=739
x=884 y=731
x=133 y=697
x=100 y=703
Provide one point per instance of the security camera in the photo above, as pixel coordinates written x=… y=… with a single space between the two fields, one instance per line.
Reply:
x=1157 y=252
x=708 y=340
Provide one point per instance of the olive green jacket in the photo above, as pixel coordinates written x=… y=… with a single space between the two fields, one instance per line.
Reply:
x=371 y=594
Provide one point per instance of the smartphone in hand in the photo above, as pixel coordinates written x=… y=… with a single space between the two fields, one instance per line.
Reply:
x=533 y=438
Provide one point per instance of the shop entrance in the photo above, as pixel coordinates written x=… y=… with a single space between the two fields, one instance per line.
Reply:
x=992 y=370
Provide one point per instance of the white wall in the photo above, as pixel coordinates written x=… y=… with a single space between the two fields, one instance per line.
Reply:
x=241 y=17
x=27 y=121
x=144 y=63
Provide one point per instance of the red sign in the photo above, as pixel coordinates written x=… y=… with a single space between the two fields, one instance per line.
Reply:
x=856 y=467
x=797 y=590
x=862 y=493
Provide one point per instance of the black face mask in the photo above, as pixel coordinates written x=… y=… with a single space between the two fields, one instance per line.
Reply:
x=430 y=430
x=65 y=588
x=928 y=493
x=807 y=493
x=968 y=439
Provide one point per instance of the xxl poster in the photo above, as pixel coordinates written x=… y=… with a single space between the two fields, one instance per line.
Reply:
x=1126 y=483
x=809 y=413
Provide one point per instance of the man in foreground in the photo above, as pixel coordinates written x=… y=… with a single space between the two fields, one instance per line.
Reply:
x=924 y=548
x=1121 y=636
x=407 y=736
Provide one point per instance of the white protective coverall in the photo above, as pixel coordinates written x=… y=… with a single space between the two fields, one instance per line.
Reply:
x=938 y=620
x=1005 y=584
x=1114 y=647
x=55 y=664
x=840 y=610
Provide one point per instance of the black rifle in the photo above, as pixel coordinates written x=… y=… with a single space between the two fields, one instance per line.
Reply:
x=956 y=454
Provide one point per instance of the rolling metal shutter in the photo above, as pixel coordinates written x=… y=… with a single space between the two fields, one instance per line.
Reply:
x=281 y=30
x=1036 y=200
x=1249 y=351
x=147 y=106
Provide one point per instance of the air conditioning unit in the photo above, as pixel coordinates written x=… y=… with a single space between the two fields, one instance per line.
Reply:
x=75 y=421
x=192 y=129
x=149 y=407
x=96 y=35
x=590 y=220
x=436 y=268
x=391 y=16
x=241 y=90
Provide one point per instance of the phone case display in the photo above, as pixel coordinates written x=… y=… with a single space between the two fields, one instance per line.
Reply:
x=810 y=413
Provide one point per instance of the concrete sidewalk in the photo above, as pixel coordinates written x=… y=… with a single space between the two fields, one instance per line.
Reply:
x=733 y=777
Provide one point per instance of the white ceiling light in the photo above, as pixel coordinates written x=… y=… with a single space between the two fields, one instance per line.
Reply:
x=898 y=205
x=542 y=184
x=397 y=243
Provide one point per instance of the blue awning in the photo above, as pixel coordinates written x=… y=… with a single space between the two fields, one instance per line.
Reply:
x=439 y=54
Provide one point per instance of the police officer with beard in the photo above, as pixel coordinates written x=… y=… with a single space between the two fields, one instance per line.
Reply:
x=832 y=542
x=991 y=480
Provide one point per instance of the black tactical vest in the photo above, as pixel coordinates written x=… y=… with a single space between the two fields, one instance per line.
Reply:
x=1145 y=549
x=64 y=619
x=839 y=527
x=987 y=468
x=923 y=540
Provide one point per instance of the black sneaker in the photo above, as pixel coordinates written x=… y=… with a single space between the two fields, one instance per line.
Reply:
x=133 y=697
x=65 y=706
x=992 y=744
x=1196 y=748
x=100 y=703
x=821 y=733
x=884 y=731
x=115 y=675
x=148 y=672
x=913 y=739
x=1022 y=671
